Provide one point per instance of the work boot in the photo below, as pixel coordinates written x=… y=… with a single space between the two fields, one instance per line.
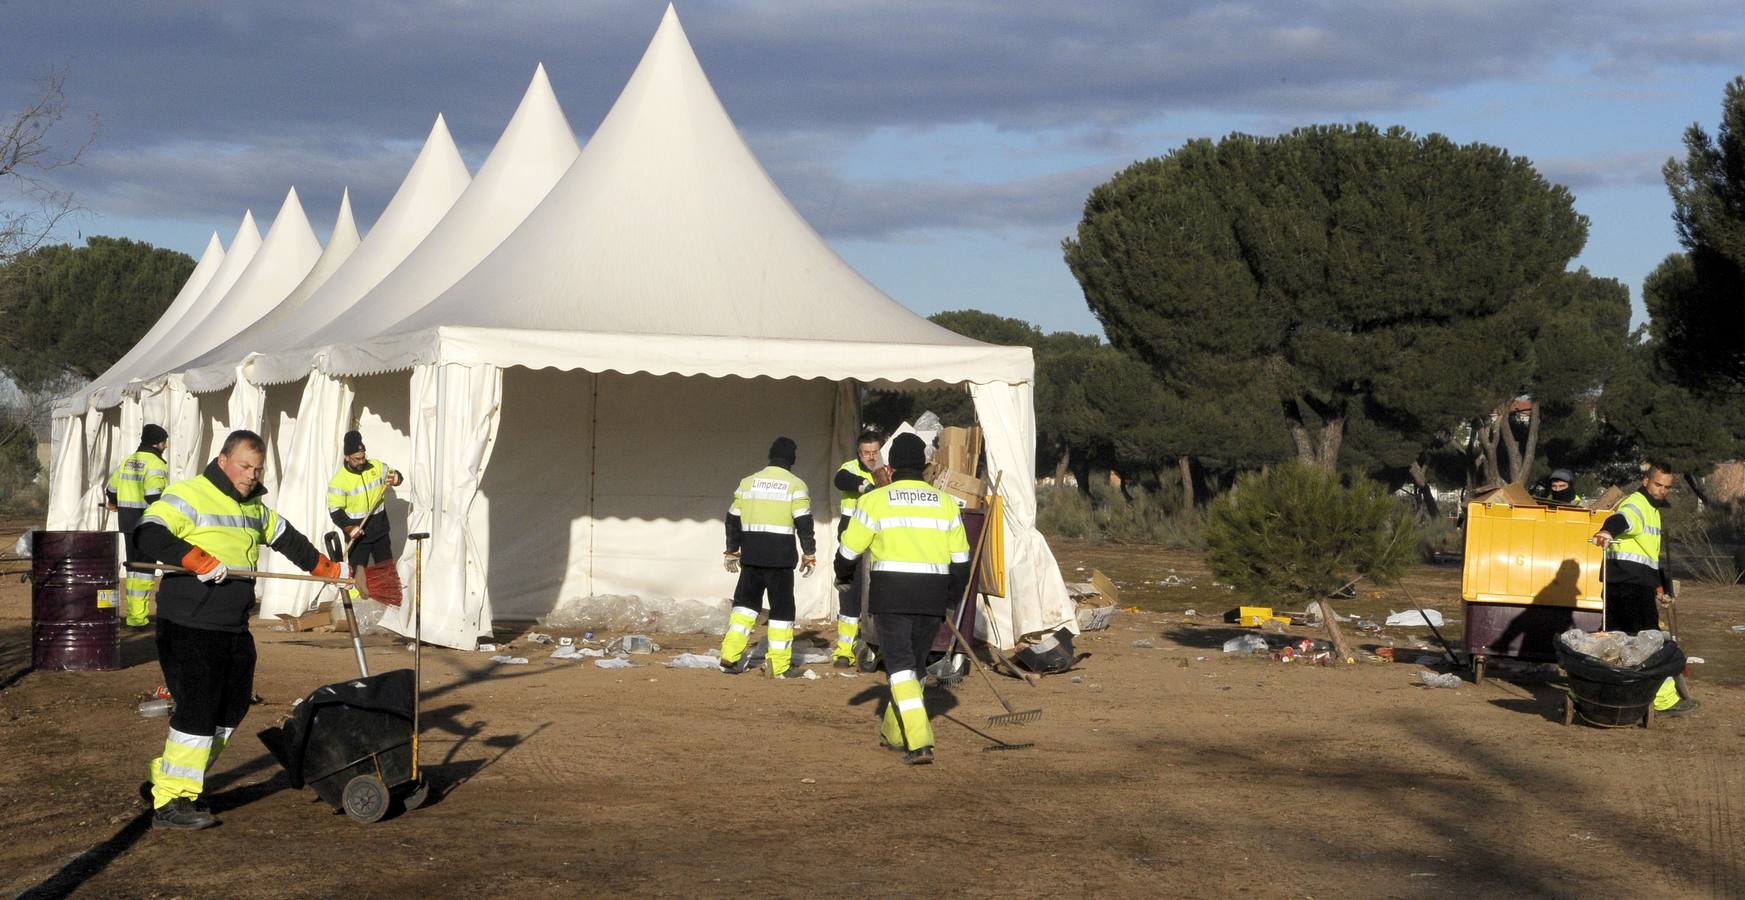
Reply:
x=1684 y=705
x=841 y=662
x=921 y=757
x=145 y=798
x=794 y=673
x=180 y=814
x=733 y=667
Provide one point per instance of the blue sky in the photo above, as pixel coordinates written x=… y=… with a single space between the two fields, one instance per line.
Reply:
x=944 y=148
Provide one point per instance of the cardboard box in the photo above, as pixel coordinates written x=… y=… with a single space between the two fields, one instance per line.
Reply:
x=1106 y=587
x=960 y=449
x=319 y=617
x=968 y=489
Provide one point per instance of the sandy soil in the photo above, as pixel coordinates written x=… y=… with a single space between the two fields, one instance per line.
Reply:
x=1167 y=771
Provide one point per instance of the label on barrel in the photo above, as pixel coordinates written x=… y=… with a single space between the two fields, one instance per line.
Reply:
x=106 y=599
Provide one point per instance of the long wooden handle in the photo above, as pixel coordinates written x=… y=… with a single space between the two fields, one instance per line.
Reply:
x=238 y=573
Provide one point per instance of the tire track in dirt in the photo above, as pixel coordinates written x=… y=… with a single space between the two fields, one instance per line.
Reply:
x=1698 y=795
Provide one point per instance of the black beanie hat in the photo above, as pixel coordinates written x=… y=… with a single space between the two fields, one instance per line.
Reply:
x=784 y=451
x=151 y=435
x=908 y=451
x=354 y=441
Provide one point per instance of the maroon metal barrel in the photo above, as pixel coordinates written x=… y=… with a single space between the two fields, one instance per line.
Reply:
x=74 y=597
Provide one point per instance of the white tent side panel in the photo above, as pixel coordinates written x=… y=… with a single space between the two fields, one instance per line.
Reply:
x=309 y=452
x=67 y=474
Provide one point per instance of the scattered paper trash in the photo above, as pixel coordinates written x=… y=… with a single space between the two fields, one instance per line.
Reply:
x=1415 y=618
x=811 y=658
x=614 y=663
x=694 y=661
x=1695 y=660
x=1144 y=642
x=510 y=660
x=1443 y=680
x=538 y=637
x=487 y=648
x=633 y=643
x=1245 y=644
x=808 y=781
x=1190 y=613
x=1738 y=628
x=574 y=652
x=809 y=675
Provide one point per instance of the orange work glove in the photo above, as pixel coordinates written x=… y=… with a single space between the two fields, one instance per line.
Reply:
x=204 y=565
x=327 y=568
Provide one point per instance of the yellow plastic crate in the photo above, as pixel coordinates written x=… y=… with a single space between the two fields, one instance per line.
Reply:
x=1533 y=555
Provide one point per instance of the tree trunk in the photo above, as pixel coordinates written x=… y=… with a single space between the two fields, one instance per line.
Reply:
x=1487 y=437
x=1060 y=466
x=1426 y=494
x=1696 y=489
x=1186 y=465
x=1331 y=620
x=1506 y=430
x=1531 y=448
x=1319 y=447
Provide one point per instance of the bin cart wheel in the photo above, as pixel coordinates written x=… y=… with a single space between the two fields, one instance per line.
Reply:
x=1478 y=670
x=366 y=799
x=419 y=794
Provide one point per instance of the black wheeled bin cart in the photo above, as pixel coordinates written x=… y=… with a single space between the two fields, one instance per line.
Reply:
x=352 y=742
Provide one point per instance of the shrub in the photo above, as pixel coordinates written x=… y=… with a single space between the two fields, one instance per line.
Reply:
x=1706 y=542
x=1297 y=531
x=1063 y=511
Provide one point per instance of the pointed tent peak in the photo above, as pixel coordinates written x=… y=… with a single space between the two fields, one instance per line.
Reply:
x=537 y=132
x=214 y=244
x=291 y=220
x=344 y=226
x=438 y=160
x=247 y=228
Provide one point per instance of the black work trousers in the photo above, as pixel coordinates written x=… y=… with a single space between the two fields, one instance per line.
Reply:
x=851 y=600
x=365 y=552
x=778 y=582
x=905 y=640
x=1631 y=607
x=209 y=673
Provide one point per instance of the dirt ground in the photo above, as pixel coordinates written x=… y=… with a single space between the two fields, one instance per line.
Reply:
x=1167 y=771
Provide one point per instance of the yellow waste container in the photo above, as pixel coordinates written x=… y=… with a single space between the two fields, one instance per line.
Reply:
x=1529 y=574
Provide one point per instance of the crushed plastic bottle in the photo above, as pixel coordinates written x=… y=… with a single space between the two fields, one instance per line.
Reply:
x=633 y=643
x=1442 y=680
x=1245 y=644
x=153 y=709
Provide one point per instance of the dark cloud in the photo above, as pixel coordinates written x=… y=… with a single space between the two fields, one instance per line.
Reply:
x=208 y=107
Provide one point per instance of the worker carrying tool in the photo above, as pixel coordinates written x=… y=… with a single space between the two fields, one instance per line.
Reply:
x=209 y=524
x=920 y=561
x=770 y=508
x=854 y=478
x=355 y=498
x=133 y=487
x=1636 y=571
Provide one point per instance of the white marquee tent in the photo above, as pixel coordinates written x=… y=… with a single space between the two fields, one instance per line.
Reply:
x=581 y=402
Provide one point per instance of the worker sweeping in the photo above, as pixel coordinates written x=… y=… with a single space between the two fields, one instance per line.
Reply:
x=354 y=501
x=770 y=508
x=920 y=562
x=854 y=478
x=1636 y=569
x=138 y=483
x=209 y=524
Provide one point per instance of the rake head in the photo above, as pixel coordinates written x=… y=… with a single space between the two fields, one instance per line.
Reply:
x=1005 y=746
x=1023 y=717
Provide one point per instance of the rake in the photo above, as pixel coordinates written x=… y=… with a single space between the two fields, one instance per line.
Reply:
x=994 y=743
x=1011 y=716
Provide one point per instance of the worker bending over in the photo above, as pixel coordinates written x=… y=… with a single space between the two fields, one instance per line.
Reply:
x=210 y=524
x=854 y=478
x=770 y=508
x=134 y=486
x=920 y=561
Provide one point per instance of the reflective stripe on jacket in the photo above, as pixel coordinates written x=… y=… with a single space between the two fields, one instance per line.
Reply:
x=355 y=494
x=196 y=511
x=1640 y=544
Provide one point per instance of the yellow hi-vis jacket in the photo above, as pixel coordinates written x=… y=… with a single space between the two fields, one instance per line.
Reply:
x=1640 y=545
x=352 y=495
x=920 y=551
x=770 y=508
x=142 y=475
